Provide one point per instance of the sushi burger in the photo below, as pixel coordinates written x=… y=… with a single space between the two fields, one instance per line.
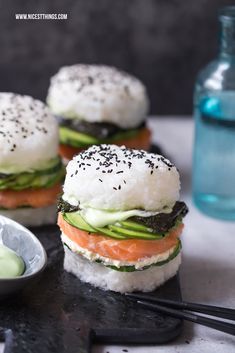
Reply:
x=98 y=104
x=31 y=171
x=120 y=218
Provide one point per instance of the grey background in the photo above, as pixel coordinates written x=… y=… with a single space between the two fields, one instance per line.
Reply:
x=163 y=42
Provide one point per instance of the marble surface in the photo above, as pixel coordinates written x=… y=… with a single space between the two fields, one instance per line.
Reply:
x=207 y=273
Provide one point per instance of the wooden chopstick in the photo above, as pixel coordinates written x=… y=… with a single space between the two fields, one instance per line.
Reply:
x=212 y=310
x=212 y=323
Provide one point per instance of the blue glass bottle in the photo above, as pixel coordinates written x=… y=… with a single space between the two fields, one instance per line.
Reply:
x=214 y=141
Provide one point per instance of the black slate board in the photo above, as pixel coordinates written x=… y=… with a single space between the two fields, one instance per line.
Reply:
x=61 y=314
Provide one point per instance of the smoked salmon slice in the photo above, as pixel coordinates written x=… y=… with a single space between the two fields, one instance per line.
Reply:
x=123 y=250
x=11 y=199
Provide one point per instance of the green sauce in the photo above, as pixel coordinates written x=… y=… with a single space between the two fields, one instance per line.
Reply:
x=11 y=265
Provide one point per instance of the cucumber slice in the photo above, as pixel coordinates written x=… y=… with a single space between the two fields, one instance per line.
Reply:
x=22 y=181
x=18 y=182
x=32 y=180
x=7 y=183
x=134 y=233
x=53 y=173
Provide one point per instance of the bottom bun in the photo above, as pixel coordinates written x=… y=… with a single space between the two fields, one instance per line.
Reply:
x=32 y=216
x=105 y=278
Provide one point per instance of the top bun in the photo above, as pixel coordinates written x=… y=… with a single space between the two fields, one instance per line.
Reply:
x=98 y=93
x=116 y=178
x=28 y=133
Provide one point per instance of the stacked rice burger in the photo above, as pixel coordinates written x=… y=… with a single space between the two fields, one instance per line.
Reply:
x=31 y=171
x=120 y=218
x=98 y=104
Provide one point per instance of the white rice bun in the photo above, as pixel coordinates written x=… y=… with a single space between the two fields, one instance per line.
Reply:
x=32 y=216
x=115 y=178
x=105 y=278
x=98 y=93
x=29 y=133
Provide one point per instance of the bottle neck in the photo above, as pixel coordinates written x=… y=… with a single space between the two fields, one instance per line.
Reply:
x=227 y=37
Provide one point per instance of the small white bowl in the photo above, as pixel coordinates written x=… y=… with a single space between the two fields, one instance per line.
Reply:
x=25 y=244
